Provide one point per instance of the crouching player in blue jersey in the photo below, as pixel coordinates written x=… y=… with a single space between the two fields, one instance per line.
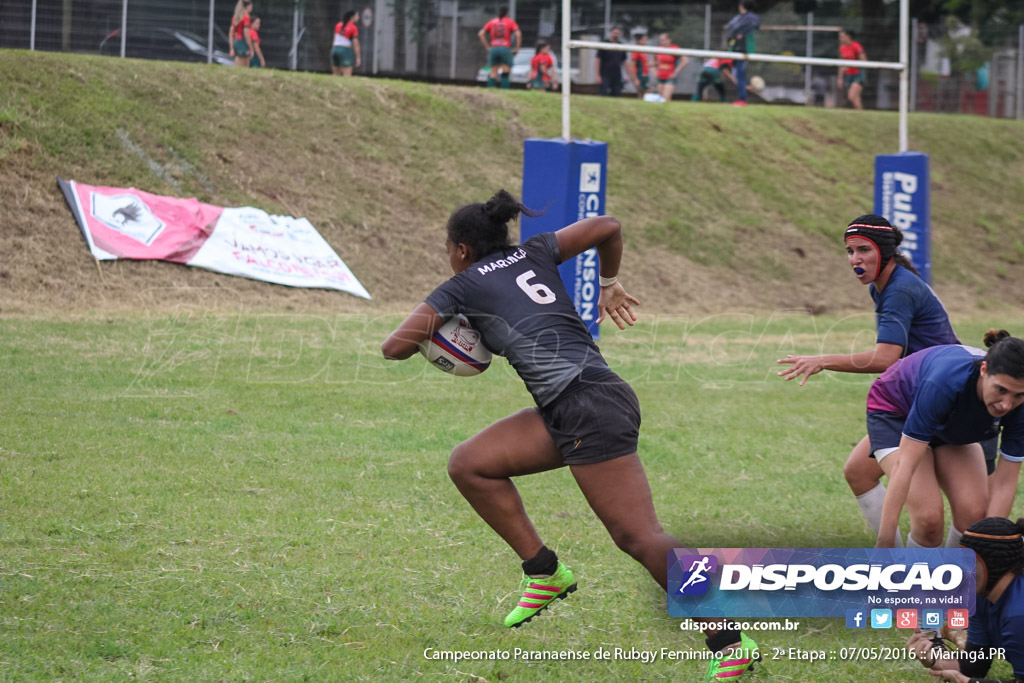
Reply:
x=997 y=625
x=586 y=418
x=926 y=415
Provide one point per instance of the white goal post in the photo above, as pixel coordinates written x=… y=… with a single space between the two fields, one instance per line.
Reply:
x=902 y=66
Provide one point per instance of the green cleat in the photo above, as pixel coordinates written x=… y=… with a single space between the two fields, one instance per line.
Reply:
x=538 y=593
x=736 y=663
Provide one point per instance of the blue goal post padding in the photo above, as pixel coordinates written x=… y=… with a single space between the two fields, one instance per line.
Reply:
x=566 y=179
x=902 y=195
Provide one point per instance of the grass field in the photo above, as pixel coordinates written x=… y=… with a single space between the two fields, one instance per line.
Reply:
x=227 y=495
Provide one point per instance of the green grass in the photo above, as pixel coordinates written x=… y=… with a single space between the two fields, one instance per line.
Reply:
x=202 y=496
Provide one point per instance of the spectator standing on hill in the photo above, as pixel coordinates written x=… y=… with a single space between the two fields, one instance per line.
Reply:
x=497 y=36
x=542 y=69
x=851 y=79
x=669 y=67
x=257 y=60
x=241 y=41
x=609 y=66
x=740 y=33
x=345 y=54
x=711 y=74
x=637 y=67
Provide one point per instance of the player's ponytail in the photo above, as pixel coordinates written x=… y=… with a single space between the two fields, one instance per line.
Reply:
x=1005 y=354
x=241 y=7
x=347 y=18
x=484 y=227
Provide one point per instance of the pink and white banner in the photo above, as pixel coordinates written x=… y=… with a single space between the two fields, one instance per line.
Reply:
x=128 y=223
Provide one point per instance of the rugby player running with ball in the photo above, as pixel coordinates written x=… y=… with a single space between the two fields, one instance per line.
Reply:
x=586 y=417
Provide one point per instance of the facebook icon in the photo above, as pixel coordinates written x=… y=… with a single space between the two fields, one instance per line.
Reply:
x=855 y=618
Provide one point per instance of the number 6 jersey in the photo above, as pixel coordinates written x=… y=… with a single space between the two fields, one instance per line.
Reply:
x=517 y=301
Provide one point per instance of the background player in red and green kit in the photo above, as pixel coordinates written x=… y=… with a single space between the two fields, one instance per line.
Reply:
x=241 y=41
x=500 y=33
x=712 y=74
x=542 y=69
x=345 y=50
x=669 y=67
x=257 y=60
x=851 y=79
x=637 y=67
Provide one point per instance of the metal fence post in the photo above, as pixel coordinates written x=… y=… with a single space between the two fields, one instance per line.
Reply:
x=209 y=38
x=455 y=35
x=1020 y=72
x=32 y=37
x=295 y=36
x=124 y=27
x=915 y=62
x=707 y=27
x=808 y=98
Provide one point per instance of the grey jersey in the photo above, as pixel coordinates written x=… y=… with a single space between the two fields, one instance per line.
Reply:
x=517 y=301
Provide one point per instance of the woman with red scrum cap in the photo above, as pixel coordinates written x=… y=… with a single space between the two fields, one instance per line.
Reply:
x=909 y=318
x=998 y=620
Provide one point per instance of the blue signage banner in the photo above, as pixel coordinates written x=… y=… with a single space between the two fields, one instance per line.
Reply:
x=902 y=196
x=566 y=180
x=818 y=582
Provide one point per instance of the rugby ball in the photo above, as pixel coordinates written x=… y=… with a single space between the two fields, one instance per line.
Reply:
x=456 y=348
x=757 y=83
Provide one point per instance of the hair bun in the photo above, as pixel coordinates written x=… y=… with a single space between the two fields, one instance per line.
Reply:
x=502 y=207
x=994 y=336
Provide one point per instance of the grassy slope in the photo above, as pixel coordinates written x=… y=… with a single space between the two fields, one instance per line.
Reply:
x=715 y=201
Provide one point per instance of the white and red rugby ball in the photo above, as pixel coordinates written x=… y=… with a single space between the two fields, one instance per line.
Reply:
x=457 y=349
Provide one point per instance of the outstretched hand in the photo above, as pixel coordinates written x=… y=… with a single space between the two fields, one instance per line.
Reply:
x=803 y=366
x=617 y=304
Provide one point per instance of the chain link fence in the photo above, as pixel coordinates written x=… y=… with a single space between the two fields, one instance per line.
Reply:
x=953 y=68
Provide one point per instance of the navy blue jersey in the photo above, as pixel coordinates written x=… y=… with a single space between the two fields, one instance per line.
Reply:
x=937 y=391
x=1001 y=624
x=517 y=301
x=909 y=314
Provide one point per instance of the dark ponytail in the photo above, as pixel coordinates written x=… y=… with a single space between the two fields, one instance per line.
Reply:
x=1005 y=354
x=484 y=227
x=347 y=17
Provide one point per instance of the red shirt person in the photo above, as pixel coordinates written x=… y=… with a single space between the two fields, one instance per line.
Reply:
x=497 y=36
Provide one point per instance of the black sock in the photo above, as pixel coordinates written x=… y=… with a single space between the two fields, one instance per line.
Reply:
x=723 y=639
x=544 y=562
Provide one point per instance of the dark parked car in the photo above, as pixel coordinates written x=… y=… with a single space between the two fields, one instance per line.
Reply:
x=162 y=43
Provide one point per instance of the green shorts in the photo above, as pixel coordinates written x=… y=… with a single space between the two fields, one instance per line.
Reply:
x=849 y=80
x=254 y=63
x=643 y=82
x=343 y=56
x=241 y=48
x=500 y=56
x=539 y=83
x=666 y=80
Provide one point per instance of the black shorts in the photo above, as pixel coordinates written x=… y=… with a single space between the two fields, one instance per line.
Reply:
x=886 y=429
x=596 y=418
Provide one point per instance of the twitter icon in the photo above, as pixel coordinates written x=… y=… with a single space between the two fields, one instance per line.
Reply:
x=881 y=618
